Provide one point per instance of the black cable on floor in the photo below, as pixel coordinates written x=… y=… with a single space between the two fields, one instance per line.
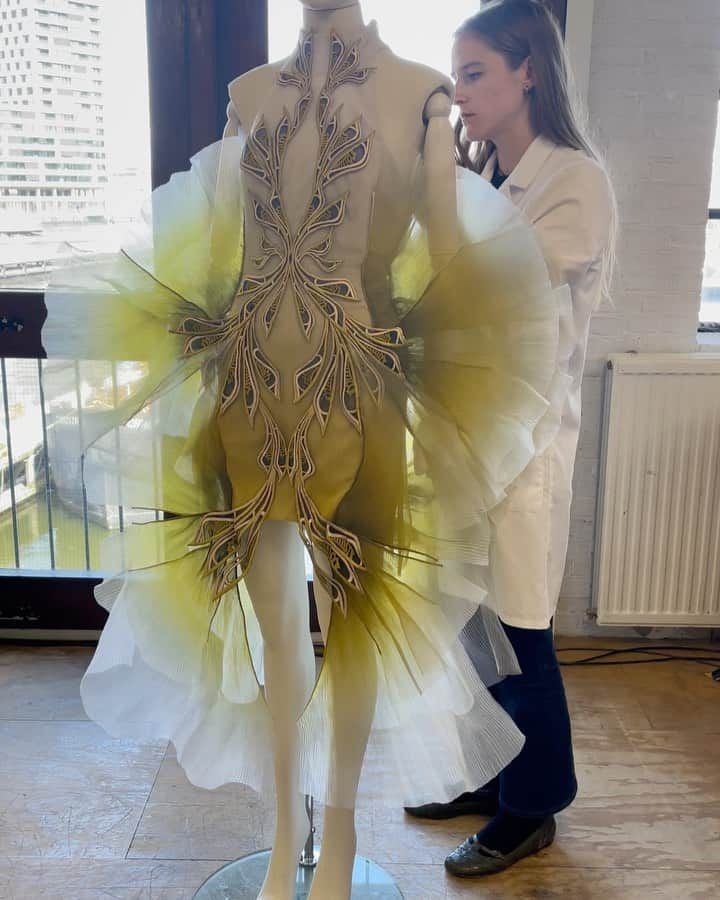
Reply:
x=658 y=654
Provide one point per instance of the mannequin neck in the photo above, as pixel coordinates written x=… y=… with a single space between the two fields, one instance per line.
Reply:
x=348 y=20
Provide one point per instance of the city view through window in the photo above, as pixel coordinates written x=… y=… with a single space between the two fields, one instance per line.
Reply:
x=74 y=174
x=74 y=131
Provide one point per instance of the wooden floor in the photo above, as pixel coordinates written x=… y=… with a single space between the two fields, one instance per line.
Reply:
x=83 y=816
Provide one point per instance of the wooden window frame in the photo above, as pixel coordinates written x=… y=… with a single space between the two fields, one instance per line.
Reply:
x=205 y=44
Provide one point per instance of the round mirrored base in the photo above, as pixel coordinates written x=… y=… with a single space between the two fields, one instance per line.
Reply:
x=242 y=880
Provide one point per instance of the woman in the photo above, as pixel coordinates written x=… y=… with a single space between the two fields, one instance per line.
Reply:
x=518 y=128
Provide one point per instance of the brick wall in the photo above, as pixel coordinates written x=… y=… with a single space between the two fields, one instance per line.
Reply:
x=653 y=100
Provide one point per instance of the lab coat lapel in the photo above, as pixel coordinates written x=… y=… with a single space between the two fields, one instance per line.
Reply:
x=525 y=172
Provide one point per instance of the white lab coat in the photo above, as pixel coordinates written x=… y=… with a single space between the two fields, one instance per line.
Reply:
x=567 y=198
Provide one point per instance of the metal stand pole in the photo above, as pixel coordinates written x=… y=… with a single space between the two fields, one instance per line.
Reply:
x=308 y=858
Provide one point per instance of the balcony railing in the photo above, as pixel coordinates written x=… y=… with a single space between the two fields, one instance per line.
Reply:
x=47 y=522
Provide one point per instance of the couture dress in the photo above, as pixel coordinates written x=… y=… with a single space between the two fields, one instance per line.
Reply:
x=319 y=367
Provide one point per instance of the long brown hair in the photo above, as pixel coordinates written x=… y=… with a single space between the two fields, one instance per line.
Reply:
x=522 y=29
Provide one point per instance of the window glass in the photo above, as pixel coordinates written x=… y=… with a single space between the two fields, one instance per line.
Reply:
x=403 y=25
x=74 y=131
x=710 y=301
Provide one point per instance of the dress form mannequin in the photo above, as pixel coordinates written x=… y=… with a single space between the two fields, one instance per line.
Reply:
x=310 y=317
x=409 y=107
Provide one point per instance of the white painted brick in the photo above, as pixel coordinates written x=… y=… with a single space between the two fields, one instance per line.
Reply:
x=667 y=102
x=592 y=390
x=663 y=259
x=691 y=146
x=585 y=477
x=590 y=436
x=634 y=13
x=674 y=170
x=577 y=587
x=630 y=127
x=665 y=324
x=672 y=126
x=686 y=239
x=654 y=75
x=616 y=78
x=569 y=620
x=637 y=301
x=667 y=343
x=591 y=427
x=669 y=304
x=646 y=238
x=605 y=325
x=582 y=531
x=706 y=12
x=668 y=11
x=576 y=564
x=654 y=280
x=599 y=348
x=607 y=56
x=582 y=506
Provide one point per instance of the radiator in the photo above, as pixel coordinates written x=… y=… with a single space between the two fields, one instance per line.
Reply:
x=657 y=553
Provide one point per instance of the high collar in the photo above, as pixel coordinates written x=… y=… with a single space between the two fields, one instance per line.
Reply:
x=347 y=22
x=525 y=172
x=366 y=36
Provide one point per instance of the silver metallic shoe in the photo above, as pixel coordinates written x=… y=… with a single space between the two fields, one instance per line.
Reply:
x=471 y=858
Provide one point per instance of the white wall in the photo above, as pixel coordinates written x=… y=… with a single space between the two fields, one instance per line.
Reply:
x=653 y=99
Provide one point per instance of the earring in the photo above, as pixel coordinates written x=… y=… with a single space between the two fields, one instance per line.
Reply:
x=527 y=87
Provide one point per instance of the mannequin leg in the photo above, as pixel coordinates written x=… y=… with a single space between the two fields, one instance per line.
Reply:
x=353 y=707
x=277 y=588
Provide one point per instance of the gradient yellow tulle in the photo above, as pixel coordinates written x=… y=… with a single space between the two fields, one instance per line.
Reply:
x=473 y=405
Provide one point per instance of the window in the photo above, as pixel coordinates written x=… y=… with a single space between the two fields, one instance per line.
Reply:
x=429 y=45
x=710 y=298
x=196 y=47
x=91 y=186
x=96 y=220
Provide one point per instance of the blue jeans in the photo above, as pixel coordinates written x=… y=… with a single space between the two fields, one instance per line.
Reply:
x=541 y=779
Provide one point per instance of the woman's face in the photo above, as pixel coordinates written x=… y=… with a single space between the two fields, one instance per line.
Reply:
x=490 y=95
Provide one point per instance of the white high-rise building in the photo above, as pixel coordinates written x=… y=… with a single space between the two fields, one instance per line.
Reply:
x=52 y=136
